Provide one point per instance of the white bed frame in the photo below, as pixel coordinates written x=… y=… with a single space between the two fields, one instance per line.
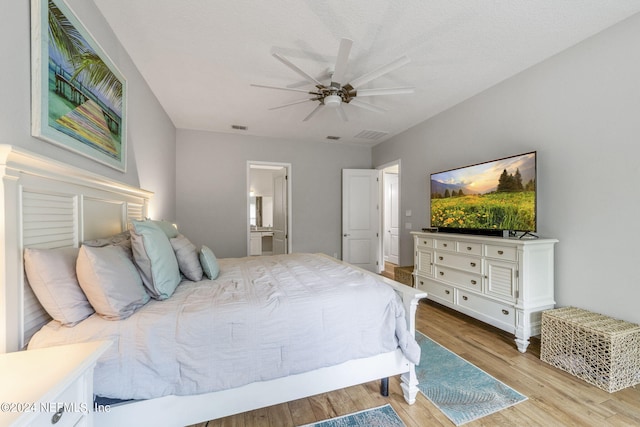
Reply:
x=49 y=204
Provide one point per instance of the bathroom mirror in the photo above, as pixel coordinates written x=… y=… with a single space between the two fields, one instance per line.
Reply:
x=255 y=211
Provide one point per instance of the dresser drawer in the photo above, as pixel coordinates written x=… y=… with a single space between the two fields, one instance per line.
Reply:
x=503 y=314
x=469 y=248
x=507 y=253
x=471 y=264
x=459 y=278
x=424 y=242
x=445 y=245
x=436 y=291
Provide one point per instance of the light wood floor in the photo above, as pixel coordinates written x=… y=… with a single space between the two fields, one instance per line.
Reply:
x=554 y=397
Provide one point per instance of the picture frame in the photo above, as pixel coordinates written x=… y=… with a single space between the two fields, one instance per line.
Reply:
x=79 y=97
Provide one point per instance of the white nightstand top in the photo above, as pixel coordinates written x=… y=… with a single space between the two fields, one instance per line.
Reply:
x=40 y=375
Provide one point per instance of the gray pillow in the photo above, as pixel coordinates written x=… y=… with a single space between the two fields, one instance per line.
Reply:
x=52 y=276
x=110 y=281
x=187 y=257
x=121 y=239
x=154 y=257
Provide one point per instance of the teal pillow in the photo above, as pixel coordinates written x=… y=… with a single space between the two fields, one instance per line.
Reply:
x=209 y=263
x=155 y=259
x=168 y=228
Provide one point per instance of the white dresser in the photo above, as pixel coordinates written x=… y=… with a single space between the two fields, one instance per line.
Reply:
x=501 y=281
x=49 y=386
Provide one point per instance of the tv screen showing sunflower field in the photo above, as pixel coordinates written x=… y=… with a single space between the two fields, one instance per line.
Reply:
x=496 y=195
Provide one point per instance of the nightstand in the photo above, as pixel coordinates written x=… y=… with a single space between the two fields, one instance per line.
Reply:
x=49 y=386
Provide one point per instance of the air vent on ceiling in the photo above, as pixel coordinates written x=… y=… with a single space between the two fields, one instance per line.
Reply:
x=238 y=127
x=371 y=134
x=333 y=138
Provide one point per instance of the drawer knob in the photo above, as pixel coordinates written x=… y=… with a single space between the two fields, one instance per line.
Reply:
x=444 y=244
x=505 y=312
x=473 y=282
x=464 y=297
x=440 y=258
x=442 y=273
x=447 y=291
x=473 y=264
x=56 y=417
x=500 y=252
x=421 y=282
x=469 y=248
x=424 y=242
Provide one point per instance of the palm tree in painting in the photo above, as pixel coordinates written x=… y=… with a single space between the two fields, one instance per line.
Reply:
x=86 y=63
x=99 y=75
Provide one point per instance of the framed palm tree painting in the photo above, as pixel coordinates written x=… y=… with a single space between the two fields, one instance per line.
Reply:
x=78 y=94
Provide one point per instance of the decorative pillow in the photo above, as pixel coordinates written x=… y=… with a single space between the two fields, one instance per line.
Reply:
x=187 y=257
x=209 y=263
x=121 y=239
x=168 y=228
x=52 y=276
x=110 y=281
x=154 y=257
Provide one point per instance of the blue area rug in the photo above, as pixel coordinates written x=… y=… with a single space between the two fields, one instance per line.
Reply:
x=383 y=416
x=462 y=391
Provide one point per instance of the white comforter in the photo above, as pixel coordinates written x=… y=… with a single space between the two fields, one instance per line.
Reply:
x=262 y=318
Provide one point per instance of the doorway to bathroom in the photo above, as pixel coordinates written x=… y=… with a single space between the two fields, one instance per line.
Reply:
x=268 y=208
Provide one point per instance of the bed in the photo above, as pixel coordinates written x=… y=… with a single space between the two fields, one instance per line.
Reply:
x=50 y=205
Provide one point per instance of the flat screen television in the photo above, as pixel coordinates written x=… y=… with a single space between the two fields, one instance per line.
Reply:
x=486 y=198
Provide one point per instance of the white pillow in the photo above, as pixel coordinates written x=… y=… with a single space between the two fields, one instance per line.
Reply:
x=154 y=257
x=52 y=276
x=110 y=281
x=209 y=263
x=187 y=257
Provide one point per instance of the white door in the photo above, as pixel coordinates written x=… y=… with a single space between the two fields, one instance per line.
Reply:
x=280 y=232
x=361 y=218
x=391 y=220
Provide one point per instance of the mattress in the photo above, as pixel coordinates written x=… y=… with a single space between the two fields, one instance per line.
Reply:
x=262 y=318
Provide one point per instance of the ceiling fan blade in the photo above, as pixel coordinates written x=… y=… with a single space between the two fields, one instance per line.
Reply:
x=284 y=88
x=293 y=103
x=367 y=106
x=342 y=113
x=366 y=78
x=324 y=75
x=295 y=68
x=315 y=110
x=341 y=62
x=385 y=91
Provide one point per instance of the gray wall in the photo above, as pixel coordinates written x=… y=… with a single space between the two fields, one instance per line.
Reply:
x=581 y=111
x=212 y=188
x=151 y=135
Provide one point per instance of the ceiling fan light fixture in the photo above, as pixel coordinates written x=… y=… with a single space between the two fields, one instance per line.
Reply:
x=332 y=101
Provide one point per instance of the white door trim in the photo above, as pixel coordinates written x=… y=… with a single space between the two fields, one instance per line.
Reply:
x=390 y=164
x=287 y=166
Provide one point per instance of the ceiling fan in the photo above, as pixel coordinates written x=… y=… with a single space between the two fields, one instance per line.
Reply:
x=338 y=92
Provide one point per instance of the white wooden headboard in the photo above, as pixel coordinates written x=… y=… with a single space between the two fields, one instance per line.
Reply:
x=48 y=204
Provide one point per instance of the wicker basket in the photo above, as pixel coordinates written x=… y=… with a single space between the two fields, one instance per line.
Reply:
x=403 y=275
x=600 y=350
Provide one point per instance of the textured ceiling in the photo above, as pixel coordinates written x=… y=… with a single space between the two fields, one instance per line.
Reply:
x=200 y=56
